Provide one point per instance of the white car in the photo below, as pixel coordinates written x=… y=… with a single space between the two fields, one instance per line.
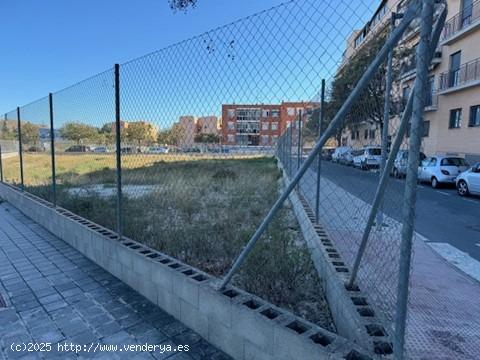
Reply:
x=101 y=149
x=158 y=150
x=468 y=182
x=441 y=169
x=339 y=151
x=368 y=157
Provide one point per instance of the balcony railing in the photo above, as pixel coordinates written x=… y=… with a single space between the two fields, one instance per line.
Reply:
x=466 y=73
x=462 y=20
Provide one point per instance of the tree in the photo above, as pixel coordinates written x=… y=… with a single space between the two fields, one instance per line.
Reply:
x=171 y=136
x=370 y=104
x=30 y=133
x=182 y=4
x=207 y=138
x=140 y=132
x=6 y=132
x=78 y=132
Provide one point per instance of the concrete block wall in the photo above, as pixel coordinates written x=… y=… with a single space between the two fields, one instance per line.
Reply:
x=354 y=316
x=242 y=325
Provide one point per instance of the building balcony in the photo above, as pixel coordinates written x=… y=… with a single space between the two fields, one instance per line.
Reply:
x=465 y=76
x=461 y=24
x=409 y=67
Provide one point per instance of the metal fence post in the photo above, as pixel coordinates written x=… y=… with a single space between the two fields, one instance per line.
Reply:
x=319 y=164
x=52 y=151
x=290 y=145
x=412 y=177
x=338 y=119
x=118 y=151
x=391 y=158
x=386 y=114
x=20 y=150
x=299 y=145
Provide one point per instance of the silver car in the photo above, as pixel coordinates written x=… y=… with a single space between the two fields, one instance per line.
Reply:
x=400 y=163
x=468 y=182
x=441 y=169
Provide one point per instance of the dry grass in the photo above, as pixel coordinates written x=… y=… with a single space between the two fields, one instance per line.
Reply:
x=201 y=210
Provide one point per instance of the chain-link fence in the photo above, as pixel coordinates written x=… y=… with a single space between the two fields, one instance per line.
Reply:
x=187 y=149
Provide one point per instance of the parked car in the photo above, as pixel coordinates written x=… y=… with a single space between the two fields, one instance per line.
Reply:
x=468 y=182
x=347 y=158
x=101 y=149
x=400 y=163
x=368 y=157
x=327 y=154
x=441 y=169
x=35 y=149
x=337 y=153
x=127 y=150
x=78 y=148
x=158 y=150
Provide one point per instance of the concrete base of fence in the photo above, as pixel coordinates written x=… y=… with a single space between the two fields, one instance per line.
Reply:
x=242 y=325
x=354 y=316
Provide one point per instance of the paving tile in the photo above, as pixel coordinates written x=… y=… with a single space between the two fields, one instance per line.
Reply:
x=59 y=295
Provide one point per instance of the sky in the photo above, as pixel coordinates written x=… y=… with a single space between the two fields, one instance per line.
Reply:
x=51 y=44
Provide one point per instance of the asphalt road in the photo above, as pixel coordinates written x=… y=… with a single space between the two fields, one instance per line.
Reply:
x=441 y=215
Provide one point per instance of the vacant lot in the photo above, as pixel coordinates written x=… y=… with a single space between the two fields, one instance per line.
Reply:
x=200 y=209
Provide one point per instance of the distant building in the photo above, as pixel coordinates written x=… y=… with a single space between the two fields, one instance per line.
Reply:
x=259 y=124
x=208 y=125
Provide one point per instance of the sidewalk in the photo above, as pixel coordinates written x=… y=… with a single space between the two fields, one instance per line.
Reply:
x=444 y=306
x=54 y=294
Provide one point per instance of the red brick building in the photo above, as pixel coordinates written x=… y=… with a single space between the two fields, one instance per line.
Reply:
x=259 y=124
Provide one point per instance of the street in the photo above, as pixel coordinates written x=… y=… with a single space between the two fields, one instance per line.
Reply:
x=441 y=215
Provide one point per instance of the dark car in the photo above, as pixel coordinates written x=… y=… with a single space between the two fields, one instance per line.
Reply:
x=78 y=148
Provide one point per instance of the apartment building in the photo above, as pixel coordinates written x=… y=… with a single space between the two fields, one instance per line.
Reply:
x=192 y=126
x=452 y=108
x=452 y=112
x=259 y=124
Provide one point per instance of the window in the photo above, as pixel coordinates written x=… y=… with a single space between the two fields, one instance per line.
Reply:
x=231 y=113
x=453 y=161
x=275 y=126
x=365 y=134
x=372 y=134
x=275 y=113
x=265 y=113
x=455 y=119
x=265 y=126
x=474 y=116
x=264 y=139
x=248 y=114
x=231 y=125
x=454 y=69
x=290 y=111
x=430 y=87
x=467 y=10
x=230 y=138
x=359 y=38
x=426 y=129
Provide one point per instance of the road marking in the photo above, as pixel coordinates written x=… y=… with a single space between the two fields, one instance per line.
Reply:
x=478 y=244
x=444 y=193
x=458 y=258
